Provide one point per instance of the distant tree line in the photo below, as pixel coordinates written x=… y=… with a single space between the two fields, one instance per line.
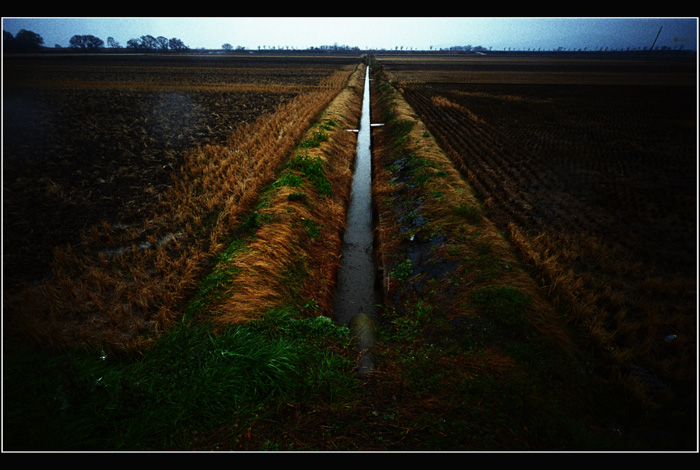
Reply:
x=160 y=43
x=28 y=41
x=467 y=48
x=229 y=47
x=87 y=41
x=23 y=41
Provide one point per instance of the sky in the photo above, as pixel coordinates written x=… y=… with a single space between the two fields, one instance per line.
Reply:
x=422 y=33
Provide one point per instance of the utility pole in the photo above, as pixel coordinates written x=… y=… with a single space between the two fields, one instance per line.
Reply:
x=657 y=37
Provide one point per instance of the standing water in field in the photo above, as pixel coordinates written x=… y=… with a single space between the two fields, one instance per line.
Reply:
x=356 y=296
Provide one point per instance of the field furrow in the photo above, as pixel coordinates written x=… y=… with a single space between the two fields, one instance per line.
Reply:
x=595 y=184
x=116 y=199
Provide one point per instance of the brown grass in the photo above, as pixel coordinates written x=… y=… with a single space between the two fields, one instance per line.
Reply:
x=624 y=289
x=626 y=324
x=170 y=86
x=116 y=293
x=282 y=263
x=466 y=238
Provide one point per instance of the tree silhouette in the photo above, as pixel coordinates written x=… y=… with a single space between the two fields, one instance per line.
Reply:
x=87 y=41
x=162 y=43
x=111 y=43
x=24 y=41
x=177 y=45
x=150 y=43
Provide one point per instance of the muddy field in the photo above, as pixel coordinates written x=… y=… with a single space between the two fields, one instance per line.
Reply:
x=614 y=161
x=92 y=138
x=590 y=167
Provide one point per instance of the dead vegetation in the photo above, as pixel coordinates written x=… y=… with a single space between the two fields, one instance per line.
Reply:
x=299 y=223
x=429 y=215
x=140 y=252
x=486 y=256
x=593 y=179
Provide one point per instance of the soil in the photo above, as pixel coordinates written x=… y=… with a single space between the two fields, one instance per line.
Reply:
x=605 y=172
x=614 y=161
x=73 y=158
x=81 y=153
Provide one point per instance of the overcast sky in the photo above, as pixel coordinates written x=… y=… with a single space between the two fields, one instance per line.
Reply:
x=375 y=32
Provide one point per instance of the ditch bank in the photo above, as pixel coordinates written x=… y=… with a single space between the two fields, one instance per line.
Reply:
x=460 y=312
x=287 y=253
x=435 y=240
x=356 y=294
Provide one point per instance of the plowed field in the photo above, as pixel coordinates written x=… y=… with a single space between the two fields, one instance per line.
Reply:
x=590 y=168
x=92 y=138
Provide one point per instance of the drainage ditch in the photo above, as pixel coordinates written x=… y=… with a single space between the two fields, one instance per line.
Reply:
x=356 y=295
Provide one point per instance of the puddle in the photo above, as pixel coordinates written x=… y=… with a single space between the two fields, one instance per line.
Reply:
x=356 y=294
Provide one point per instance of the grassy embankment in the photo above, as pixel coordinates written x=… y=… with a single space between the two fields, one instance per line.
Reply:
x=470 y=355
x=123 y=285
x=474 y=295
x=264 y=216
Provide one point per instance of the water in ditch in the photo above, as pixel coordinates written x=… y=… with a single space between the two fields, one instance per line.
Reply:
x=356 y=297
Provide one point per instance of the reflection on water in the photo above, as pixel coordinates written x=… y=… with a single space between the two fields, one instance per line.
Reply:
x=355 y=292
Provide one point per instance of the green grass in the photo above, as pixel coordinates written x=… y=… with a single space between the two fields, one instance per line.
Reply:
x=503 y=303
x=312 y=168
x=317 y=137
x=403 y=270
x=313 y=230
x=328 y=125
x=213 y=285
x=193 y=382
x=288 y=179
x=471 y=213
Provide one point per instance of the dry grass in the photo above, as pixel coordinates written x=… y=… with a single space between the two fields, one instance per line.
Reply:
x=630 y=315
x=626 y=298
x=283 y=263
x=124 y=285
x=444 y=102
x=466 y=238
x=170 y=86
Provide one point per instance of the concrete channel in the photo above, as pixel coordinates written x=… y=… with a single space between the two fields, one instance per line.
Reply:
x=356 y=295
